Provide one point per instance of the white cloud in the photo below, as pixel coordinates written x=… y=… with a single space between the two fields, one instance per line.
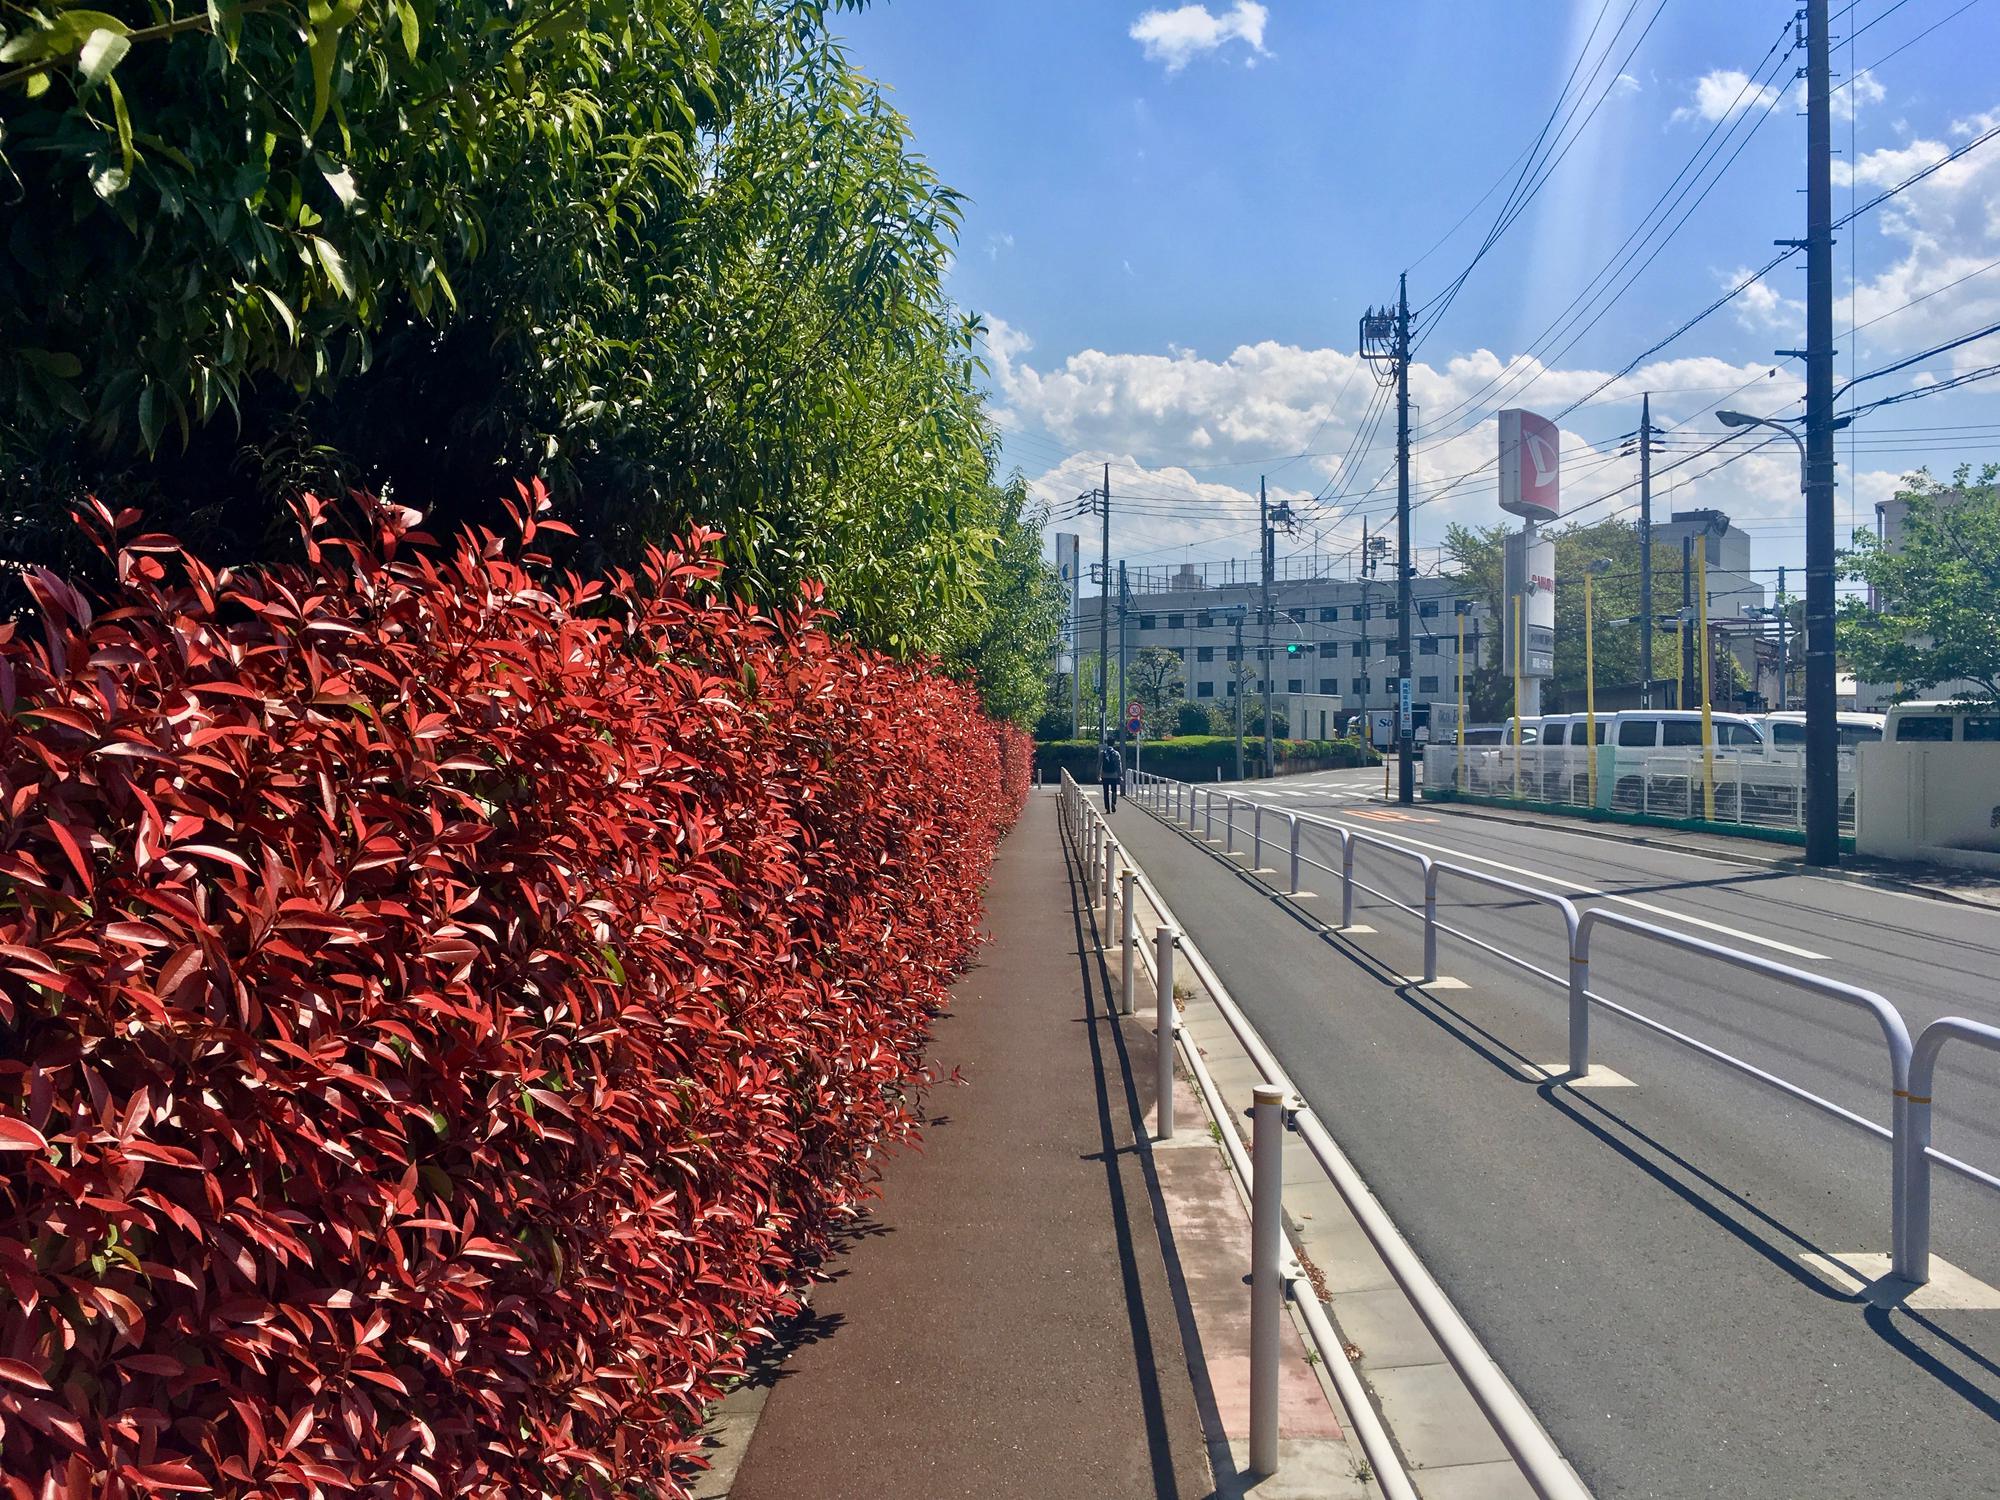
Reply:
x=1762 y=306
x=1202 y=429
x=1177 y=37
x=1626 y=84
x=1940 y=235
x=1725 y=92
x=1861 y=91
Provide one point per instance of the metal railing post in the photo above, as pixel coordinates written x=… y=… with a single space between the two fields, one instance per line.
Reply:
x=1295 y=852
x=1267 y=1237
x=1913 y=1239
x=1430 y=922
x=1257 y=837
x=1579 y=1006
x=1208 y=816
x=1104 y=894
x=1228 y=825
x=1128 y=910
x=1346 y=881
x=1166 y=1020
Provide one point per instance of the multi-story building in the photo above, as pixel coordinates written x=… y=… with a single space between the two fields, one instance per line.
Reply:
x=1331 y=636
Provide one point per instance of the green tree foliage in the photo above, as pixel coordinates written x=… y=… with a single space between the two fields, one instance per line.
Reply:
x=1155 y=678
x=1937 y=617
x=1010 y=647
x=675 y=256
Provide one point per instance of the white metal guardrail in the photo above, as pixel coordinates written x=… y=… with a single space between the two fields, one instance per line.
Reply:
x=1277 y=1108
x=1910 y=1065
x=1093 y=839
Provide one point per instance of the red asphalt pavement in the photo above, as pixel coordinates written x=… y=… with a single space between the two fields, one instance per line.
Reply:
x=1004 y=1323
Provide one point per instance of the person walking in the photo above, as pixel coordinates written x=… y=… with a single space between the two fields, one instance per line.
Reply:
x=1111 y=771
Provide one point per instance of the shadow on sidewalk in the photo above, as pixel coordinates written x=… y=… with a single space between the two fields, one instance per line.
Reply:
x=1100 y=1015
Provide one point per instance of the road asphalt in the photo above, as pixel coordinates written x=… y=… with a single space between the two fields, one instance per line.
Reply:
x=1637 y=1257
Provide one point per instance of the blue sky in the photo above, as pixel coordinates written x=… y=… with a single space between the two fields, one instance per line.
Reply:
x=1178 y=213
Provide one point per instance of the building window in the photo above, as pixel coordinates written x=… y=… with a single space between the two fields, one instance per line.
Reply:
x=1235 y=653
x=1176 y=622
x=1329 y=648
x=1427 y=609
x=1427 y=648
x=1361 y=647
x=1329 y=686
x=1328 y=615
x=1295 y=685
x=1205 y=620
x=1145 y=622
x=1361 y=686
x=1360 y=611
x=1180 y=653
x=1427 y=684
x=1204 y=653
x=1232 y=688
x=1204 y=690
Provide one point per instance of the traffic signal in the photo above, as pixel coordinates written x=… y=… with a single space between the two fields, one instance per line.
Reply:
x=1293 y=649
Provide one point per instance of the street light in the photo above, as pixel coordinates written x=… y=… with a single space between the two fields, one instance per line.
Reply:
x=1822 y=726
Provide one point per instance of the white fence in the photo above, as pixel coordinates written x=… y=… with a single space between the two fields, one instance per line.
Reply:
x=1758 y=790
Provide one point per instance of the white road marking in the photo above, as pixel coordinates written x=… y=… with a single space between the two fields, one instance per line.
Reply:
x=1575 y=888
x=1871 y=1277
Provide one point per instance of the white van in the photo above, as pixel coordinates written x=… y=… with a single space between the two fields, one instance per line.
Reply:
x=1941 y=723
x=1565 y=756
x=1656 y=764
x=1788 y=730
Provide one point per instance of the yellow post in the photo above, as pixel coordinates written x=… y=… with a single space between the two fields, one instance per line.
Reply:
x=1461 y=694
x=1589 y=692
x=1519 y=635
x=1707 y=718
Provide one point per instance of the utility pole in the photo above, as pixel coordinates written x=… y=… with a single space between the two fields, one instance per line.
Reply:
x=1822 y=732
x=1687 y=619
x=1784 y=637
x=1104 y=621
x=1238 y=685
x=1646 y=550
x=1406 y=769
x=1124 y=649
x=1385 y=339
x=1264 y=654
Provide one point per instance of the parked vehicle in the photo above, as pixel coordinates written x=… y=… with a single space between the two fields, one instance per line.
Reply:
x=1648 y=775
x=1941 y=723
x=1565 y=755
x=1788 y=730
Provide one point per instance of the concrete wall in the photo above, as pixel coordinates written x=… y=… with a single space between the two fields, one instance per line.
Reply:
x=1934 y=802
x=1315 y=716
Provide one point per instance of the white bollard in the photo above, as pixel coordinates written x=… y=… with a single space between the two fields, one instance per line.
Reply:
x=1267 y=1238
x=1163 y=1032
x=1128 y=880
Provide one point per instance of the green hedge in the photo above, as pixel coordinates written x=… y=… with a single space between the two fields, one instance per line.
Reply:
x=1197 y=757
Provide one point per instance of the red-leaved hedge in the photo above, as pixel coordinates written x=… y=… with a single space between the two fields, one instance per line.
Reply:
x=444 y=1009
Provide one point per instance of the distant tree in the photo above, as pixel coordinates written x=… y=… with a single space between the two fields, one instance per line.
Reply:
x=1478 y=556
x=1154 y=677
x=1937 y=612
x=1012 y=640
x=1194 y=718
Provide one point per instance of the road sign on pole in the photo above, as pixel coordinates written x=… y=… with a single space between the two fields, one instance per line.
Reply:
x=1135 y=711
x=1403 y=714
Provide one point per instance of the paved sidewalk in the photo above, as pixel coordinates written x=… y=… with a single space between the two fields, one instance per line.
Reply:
x=1009 y=1321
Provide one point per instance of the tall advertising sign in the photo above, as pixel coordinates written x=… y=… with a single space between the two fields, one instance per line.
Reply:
x=1531 y=579
x=1530 y=466
x=1530 y=487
